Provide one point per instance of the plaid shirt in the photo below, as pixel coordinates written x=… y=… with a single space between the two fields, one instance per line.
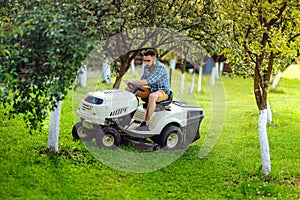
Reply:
x=157 y=77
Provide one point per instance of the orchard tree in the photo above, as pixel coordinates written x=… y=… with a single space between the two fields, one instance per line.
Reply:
x=177 y=15
x=123 y=47
x=264 y=37
x=203 y=23
x=43 y=44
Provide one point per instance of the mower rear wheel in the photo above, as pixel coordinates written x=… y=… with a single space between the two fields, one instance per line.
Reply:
x=78 y=132
x=171 y=138
x=108 y=137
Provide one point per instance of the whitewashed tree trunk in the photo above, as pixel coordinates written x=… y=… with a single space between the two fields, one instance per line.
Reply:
x=199 y=79
x=172 y=63
x=181 y=85
x=217 y=70
x=276 y=80
x=221 y=68
x=106 y=71
x=54 y=128
x=82 y=76
x=132 y=67
x=192 y=83
x=213 y=76
x=264 y=144
x=269 y=115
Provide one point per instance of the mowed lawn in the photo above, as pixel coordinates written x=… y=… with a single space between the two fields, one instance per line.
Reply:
x=231 y=169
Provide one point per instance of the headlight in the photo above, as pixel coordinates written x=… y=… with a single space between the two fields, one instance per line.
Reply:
x=93 y=100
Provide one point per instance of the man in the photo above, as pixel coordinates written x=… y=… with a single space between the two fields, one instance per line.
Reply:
x=155 y=82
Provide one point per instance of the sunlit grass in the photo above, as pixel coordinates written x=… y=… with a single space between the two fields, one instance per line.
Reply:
x=232 y=170
x=292 y=71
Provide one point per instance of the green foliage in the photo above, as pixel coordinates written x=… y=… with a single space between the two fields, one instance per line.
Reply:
x=264 y=38
x=43 y=44
x=261 y=33
x=197 y=19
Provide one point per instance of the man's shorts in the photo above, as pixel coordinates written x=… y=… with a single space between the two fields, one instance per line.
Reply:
x=162 y=95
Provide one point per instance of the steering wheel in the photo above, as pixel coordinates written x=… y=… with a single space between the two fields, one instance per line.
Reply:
x=135 y=87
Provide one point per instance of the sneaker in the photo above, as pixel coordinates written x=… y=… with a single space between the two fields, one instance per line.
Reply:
x=143 y=123
x=143 y=127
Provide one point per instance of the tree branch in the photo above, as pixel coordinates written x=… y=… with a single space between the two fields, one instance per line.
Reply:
x=180 y=8
x=293 y=38
x=274 y=20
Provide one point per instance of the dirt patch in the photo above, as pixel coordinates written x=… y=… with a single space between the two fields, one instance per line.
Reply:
x=293 y=181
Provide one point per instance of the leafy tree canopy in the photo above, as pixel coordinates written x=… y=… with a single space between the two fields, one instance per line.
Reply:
x=263 y=37
x=43 y=44
x=178 y=15
x=261 y=31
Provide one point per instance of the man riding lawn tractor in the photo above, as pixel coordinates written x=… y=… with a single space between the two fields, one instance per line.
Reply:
x=155 y=82
x=114 y=117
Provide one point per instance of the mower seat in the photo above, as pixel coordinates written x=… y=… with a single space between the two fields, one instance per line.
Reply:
x=167 y=101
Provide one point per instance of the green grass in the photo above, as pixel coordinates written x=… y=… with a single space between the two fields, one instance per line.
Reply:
x=231 y=170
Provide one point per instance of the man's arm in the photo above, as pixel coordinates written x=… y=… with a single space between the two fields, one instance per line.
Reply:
x=137 y=82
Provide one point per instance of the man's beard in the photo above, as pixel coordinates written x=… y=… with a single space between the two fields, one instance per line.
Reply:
x=150 y=66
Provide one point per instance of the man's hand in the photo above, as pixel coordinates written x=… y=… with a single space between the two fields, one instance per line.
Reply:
x=126 y=81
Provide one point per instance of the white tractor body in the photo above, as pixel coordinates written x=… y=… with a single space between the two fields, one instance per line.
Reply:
x=118 y=113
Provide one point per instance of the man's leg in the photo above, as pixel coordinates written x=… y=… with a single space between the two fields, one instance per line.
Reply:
x=151 y=105
x=152 y=99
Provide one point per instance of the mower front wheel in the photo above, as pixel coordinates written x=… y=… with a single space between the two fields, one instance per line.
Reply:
x=108 y=137
x=78 y=132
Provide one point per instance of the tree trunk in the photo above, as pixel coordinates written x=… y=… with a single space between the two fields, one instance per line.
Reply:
x=217 y=70
x=181 y=85
x=106 y=71
x=132 y=67
x=54 y=128
x=82 y=76
x=192 y=83
x=221 y=68
x=276 y=80
x=269 y=115
x=264 y=144
x=172 y=64
x=199 y=79
x=125 y=62
x=261 y=83
x=213 y=76
x=118 y=82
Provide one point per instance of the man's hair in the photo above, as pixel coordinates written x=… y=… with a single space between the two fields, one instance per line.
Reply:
x=150 y=52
